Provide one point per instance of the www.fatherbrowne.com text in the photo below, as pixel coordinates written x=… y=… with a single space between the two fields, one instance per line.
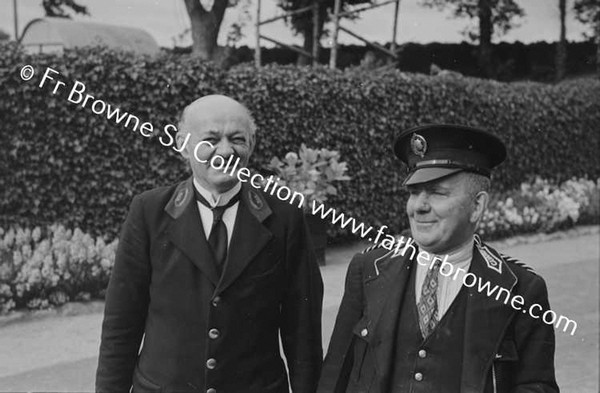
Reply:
x=78 y=95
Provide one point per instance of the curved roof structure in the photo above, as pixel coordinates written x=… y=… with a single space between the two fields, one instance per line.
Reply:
x=55 y=34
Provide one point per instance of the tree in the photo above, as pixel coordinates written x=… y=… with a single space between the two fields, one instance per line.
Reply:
x=561 y=46
x=303 y=23
x=56 y=8
x=495 y=17
x=206 y=17
x=588 y=12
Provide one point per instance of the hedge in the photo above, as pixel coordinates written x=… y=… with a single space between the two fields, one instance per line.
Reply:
x=64 y=164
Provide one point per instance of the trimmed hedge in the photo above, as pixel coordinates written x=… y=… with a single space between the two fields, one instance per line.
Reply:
x=63 y=163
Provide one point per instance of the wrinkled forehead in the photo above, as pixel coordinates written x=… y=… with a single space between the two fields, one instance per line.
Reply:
x=217 y=115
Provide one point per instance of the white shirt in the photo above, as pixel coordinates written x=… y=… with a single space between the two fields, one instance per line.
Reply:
x=206 y=215
x=448 y=287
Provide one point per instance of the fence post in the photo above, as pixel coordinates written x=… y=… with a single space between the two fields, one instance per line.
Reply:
x=257 y=41
x=315 y=41
x=396 y=8
x=336 y=27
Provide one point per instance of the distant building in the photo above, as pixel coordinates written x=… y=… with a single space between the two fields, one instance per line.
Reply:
x=53 y=35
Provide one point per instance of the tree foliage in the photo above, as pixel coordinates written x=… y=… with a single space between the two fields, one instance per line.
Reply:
x=57 y=8
x=588 y=12
x=303 y=23
x=503 y=13
x=494 y=17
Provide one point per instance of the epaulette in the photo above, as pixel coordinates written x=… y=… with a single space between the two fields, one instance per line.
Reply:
x=494 y=258
x=371 y=248
x=515 y=261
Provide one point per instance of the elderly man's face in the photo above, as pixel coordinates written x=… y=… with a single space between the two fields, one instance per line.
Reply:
x=217 y=126
x=441 y=213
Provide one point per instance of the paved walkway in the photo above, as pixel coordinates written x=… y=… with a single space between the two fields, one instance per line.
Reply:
x=58 y=353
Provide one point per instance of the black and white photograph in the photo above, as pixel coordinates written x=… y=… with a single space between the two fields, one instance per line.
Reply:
x=300 y=196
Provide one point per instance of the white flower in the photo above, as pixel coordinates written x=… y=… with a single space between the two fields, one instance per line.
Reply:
x=36 y=234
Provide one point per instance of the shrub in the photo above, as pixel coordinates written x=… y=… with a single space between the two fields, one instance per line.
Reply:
x=64 y=164
x=311 y=172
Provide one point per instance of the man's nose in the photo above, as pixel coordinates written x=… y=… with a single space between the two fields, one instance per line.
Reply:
x=224 y=148
x=422 y=202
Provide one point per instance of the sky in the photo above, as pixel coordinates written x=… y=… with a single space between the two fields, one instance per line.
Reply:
x=165 y=20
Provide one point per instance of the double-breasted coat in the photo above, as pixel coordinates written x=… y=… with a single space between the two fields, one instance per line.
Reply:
x=504 y=350
x=173 y=324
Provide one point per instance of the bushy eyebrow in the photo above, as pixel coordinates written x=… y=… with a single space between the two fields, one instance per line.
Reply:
x=231 y=134
x=217 y=132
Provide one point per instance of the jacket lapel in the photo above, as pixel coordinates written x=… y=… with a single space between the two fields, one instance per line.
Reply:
x=249 y=236
x=384 y=294
x=186 y=232
x=486 y=318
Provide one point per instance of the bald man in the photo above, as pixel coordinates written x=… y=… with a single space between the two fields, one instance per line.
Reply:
x=211 y=273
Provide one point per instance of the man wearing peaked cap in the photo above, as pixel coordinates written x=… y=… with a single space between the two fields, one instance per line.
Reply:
x=414 y=320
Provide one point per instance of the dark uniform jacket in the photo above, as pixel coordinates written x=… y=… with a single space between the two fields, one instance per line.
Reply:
x=203 y=332
x=504 y=350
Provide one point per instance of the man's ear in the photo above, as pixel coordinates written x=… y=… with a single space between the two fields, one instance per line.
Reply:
x=252 y=142
x=182 y=140
x=480 y=203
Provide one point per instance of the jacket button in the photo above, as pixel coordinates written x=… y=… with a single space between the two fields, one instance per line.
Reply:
x=418 y=377
x=364 y=332
x=211 y=390
x=216 y=301
x=211 y=363
x=214 y=333
x=422 y=353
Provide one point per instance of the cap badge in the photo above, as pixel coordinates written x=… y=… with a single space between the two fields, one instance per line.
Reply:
x=418 y=144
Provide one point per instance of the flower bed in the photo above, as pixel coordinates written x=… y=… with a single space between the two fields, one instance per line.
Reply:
x=541 y=206
x=47 y=267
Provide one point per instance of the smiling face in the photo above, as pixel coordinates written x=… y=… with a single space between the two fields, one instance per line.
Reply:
x=217 y=125
x=443 y=213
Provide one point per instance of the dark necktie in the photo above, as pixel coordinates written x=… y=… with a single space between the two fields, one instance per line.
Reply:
x=218 y=232
x=427 y=305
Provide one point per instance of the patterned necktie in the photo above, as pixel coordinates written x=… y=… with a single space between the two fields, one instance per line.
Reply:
x=218 y=231
x=427 y=305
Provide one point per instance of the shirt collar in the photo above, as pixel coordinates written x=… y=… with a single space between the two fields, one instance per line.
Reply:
x=462 y=255
x=220 y=199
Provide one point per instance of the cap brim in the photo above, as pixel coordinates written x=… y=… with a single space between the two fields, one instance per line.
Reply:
x=425 y=175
